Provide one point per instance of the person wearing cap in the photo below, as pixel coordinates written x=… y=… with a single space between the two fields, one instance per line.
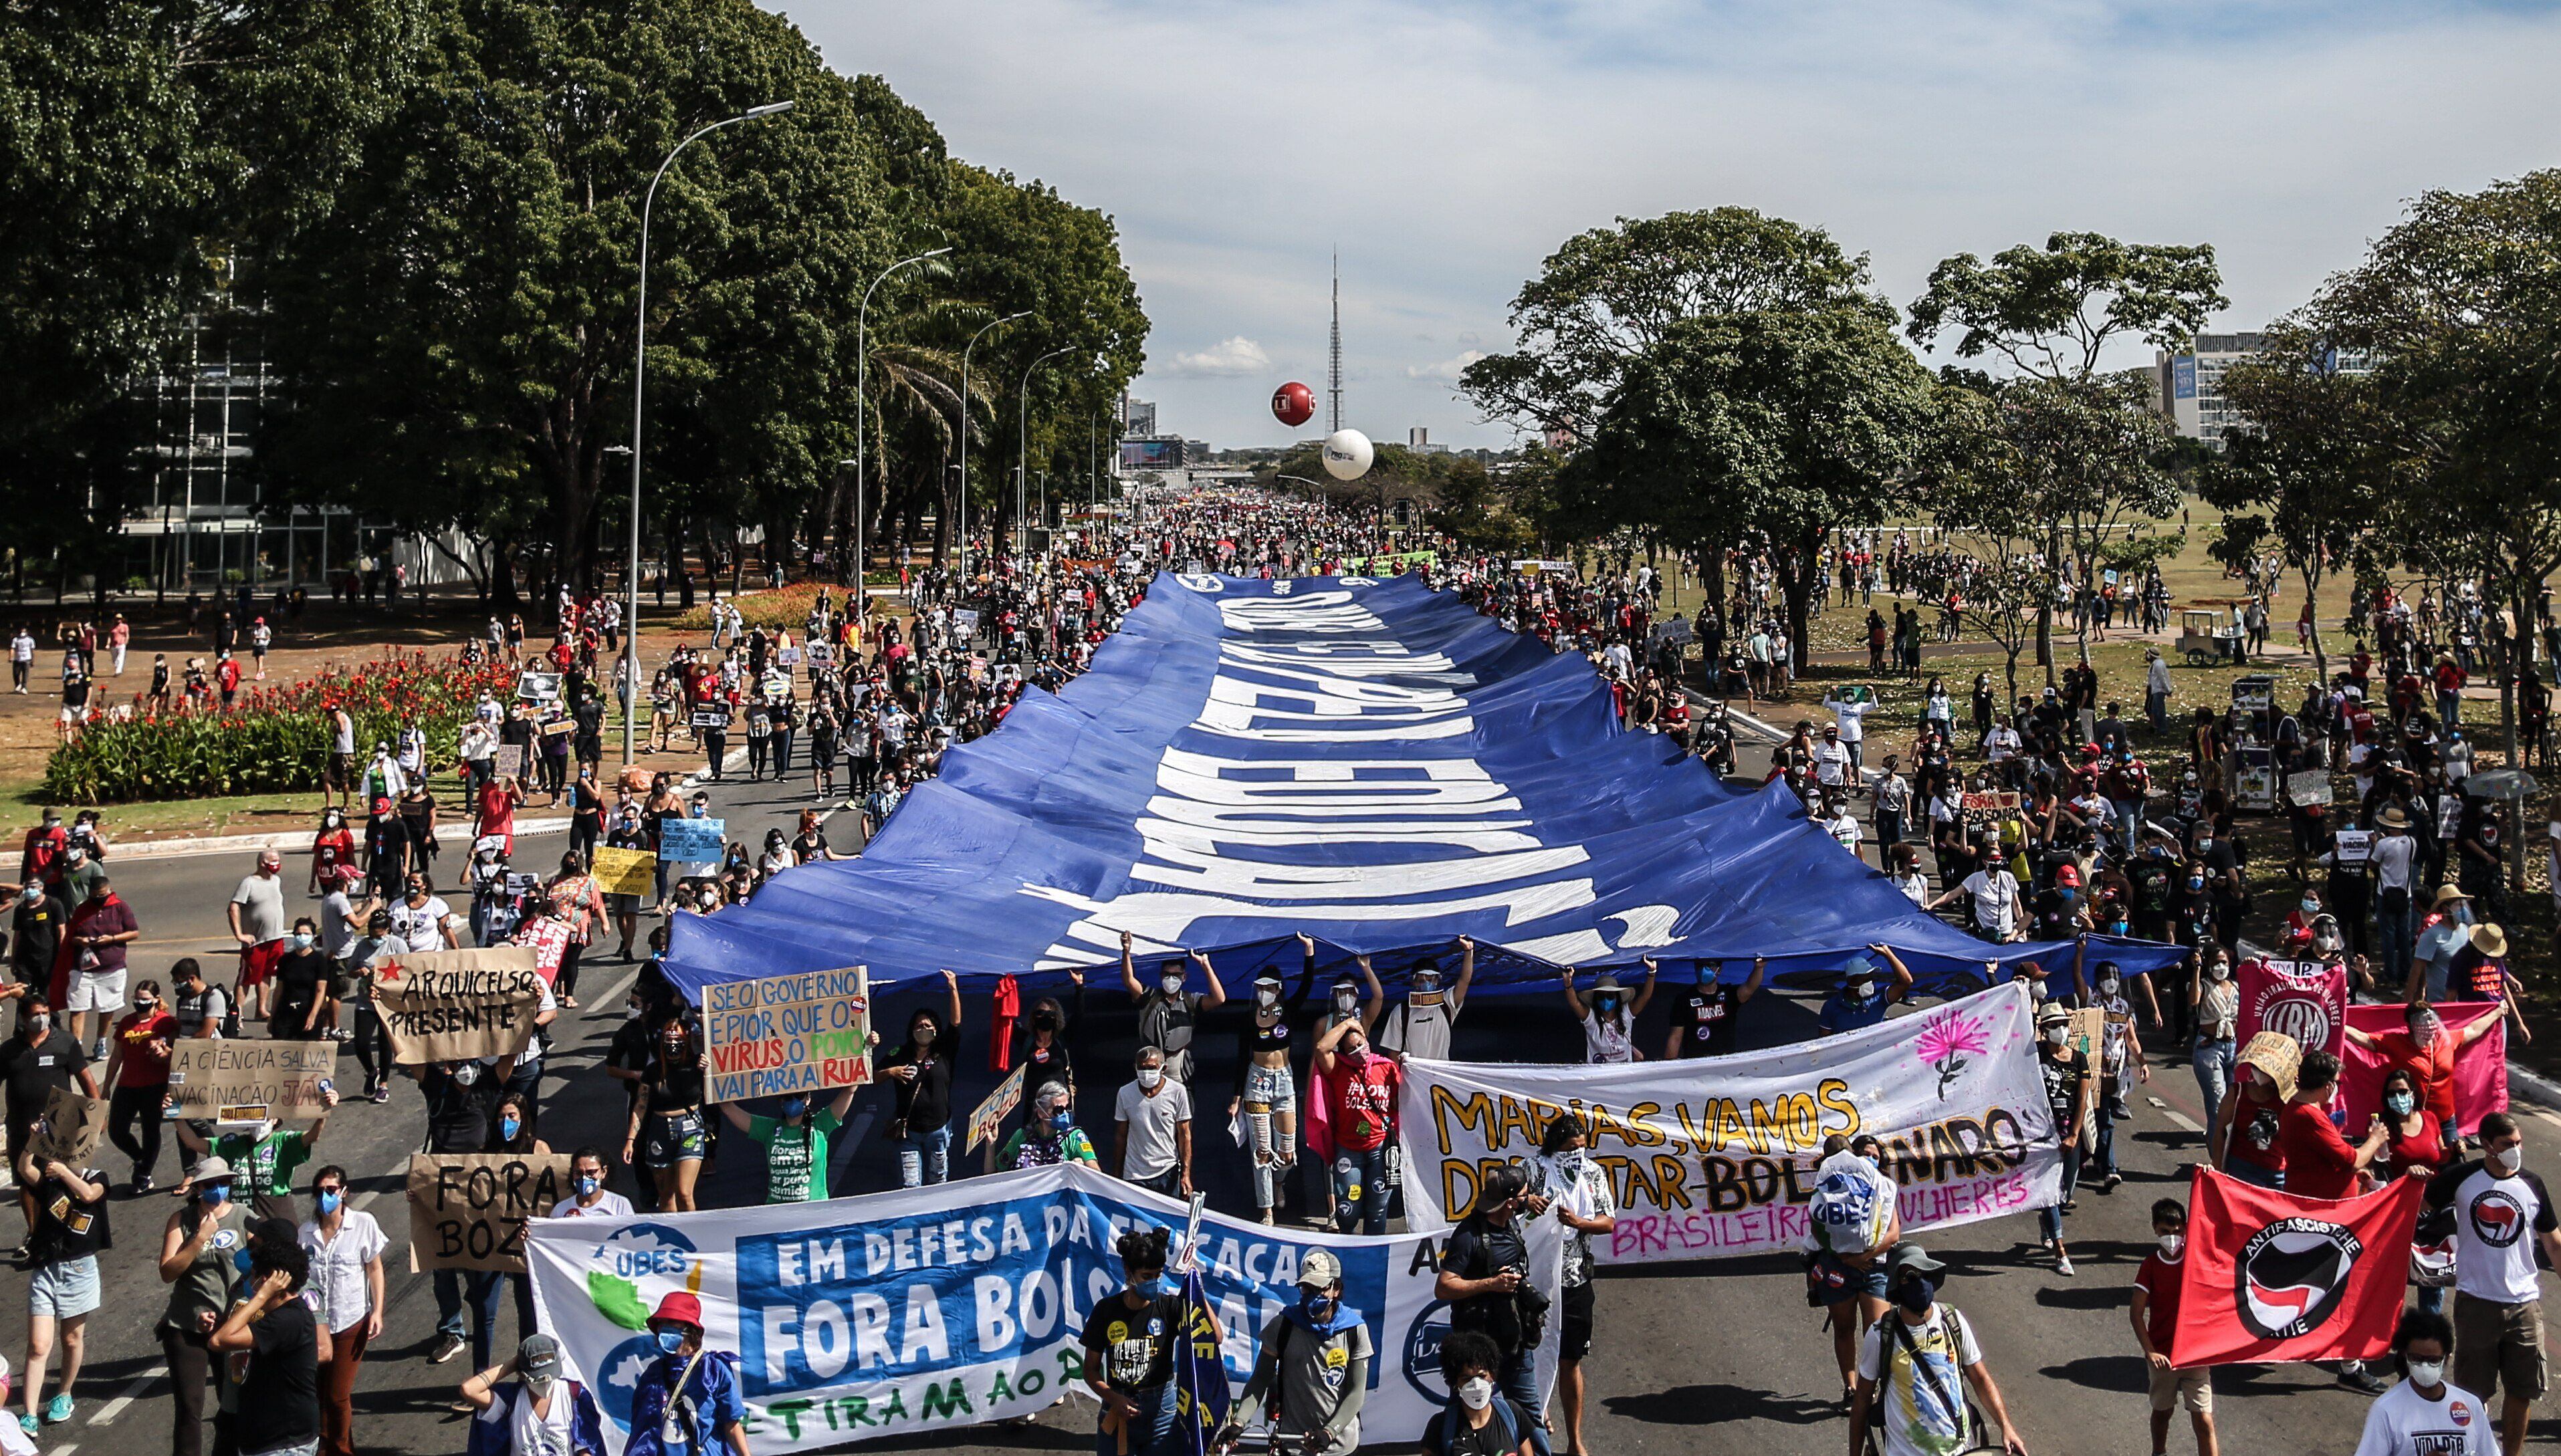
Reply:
x=541 y=1413
x=1858 y=1002
x=1310 y=1369
x=2478 y=972
x=2248 y=1139
x=2392 y=861
x=196 y=1250
x=1609 y=1017
x=1909 y=1367
x=2066 y=1075
x=2446 y=929
x=1485 y=1279
x=346 y=1250
x=688 y=1402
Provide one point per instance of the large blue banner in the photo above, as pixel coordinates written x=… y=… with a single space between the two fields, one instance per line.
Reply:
x=1365 y=760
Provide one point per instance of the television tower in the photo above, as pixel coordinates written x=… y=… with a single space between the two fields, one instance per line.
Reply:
x=1334 y=357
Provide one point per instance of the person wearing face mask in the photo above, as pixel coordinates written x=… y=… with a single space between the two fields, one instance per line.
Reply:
x=275 y=1406
x=461 y=1096
x=196 y=1250
x=357 y=971
x=1049 y=1136
x=1912 y=1364
x=1129 y=1341
x=1485 y=1278
x=1858 y=1002
x=1265 y=1095
x=1609 y=1017
x=2502 y=1215
x=1310 y=1369
x=33 y=1065
x=666 y=1131
x=922 y=1068
x=1564 y=1181
x=1167 y=1014
x=688 y=1402
x=1151 y=1134
x=2066 y=1076
x=794 y=1142
x=265 y=1157
x=36 y=920
x=346 y=1248
x=90 y=971
x=2426 y=1053
x=1424 y=1021
x=61 y=1275
x=542 y=1413
x=2426 y=1414
x=625 y=832
x=1359 y=1090
x=2447 y=931
x=2119 y=1048
x=2155 y=1318
x=299 y=1006
x=137 y=1071
x=1478 y=1420
x=1039 y=1040
x=2247 y=1140
x=589 y=1197
x=2215 y=1005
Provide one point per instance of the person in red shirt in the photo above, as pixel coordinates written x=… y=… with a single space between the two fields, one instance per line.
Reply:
x=137 y=1071
x=1360 y=1087
x=227 y=676
x=2156 y=1316
x=2415 y=1143
x=334 y=836
x=498 y=800
x=42 y=856
x=2320 y=1162
x=2427 y=1052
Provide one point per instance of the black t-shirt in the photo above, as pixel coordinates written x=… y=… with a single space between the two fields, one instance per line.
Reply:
x=923 y=1101
x=1449 y=1433
x=38 y=929
x=1480 y=1249
x=299 y=975
x=32 y=1072
x=2062 y=1085
x=279 y=1399
x=2219 y=863
x=387 y=840
x=2153 y=880
x=1137 y=1345
x=66 y=1229
x=1704 y=1016
x=457 y=1116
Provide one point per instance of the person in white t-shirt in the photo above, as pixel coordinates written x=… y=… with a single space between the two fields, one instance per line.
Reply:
x=592 y=1199
x=1994 y=892
x=422 y=921
x=1421 y=1024
x=1609 y=1019
x=1849 y=718
x=1913 y=1366
x=2425 y=1415
x=1832 y=760
x=543 y=1412
x=2503 y=1212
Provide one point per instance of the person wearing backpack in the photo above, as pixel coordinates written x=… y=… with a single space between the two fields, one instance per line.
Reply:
x=1914 y=1367
x=1485 y=1278
x=1478 y=1421
x=1311 y=1372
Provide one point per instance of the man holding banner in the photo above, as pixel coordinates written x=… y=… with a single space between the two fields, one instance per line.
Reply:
x=1130 y=1345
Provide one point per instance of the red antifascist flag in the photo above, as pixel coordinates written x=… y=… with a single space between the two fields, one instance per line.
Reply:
x=2272 y=1277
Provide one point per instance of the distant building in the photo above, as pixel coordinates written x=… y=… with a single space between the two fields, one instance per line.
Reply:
x=1418 y=441
x=1138 y=416
x=1157 y=452
x=2191 y=383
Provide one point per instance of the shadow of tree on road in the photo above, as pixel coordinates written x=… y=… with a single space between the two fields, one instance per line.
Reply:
x=1717 y=1404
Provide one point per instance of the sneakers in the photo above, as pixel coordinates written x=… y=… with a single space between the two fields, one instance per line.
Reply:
x=28 y=1423
x=57 y=1410
x=141 y=1183
x=383 y=1092
x=2109 y=1185
x=445 y=1349
x=2063 y=1265
x=2360 y=1380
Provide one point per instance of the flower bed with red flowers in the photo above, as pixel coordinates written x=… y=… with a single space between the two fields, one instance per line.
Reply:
x=271 y=739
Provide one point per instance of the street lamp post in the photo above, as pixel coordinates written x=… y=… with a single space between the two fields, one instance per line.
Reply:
x=1023 y=441
x=862 y=361
x=962 y=536
x=640 y=368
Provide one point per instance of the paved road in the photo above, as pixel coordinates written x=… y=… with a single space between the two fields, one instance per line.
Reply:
x=1702 y=1357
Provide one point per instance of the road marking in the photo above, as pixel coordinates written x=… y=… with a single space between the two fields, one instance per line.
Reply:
x=107 y=1414
x=2176 y=1117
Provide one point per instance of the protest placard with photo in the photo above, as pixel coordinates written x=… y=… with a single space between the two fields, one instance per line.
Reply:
x=468 y=1211
x=775 y=1035
x=240 y=1080
x=73 y=1127
x=447 y=1005
x=538 y=688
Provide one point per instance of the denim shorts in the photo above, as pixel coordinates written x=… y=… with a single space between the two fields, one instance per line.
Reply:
x=1273 y=1086
x=65 y=1290
x=673 y=1140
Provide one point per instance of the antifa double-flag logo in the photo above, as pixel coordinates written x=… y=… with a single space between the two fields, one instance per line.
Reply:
x=2498 y=1219
x=2292 y=1276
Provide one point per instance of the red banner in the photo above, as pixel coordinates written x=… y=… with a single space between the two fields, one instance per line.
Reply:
x=2306 y=999
x=2269 y=1277
x=2481 y=1068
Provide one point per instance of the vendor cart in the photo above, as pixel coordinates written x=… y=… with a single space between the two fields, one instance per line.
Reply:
x=2200 y=638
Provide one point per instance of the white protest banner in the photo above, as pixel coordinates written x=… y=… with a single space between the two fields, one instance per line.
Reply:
x=242 y=1079
x=446 y=1005
x=895 y=1315
x=1713 y=1157
x=2309 y=787
x=775 y=1035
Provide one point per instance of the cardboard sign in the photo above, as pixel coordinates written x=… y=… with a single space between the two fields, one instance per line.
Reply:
x=449 y=1005
x=775 y=1035
x=73 y=1127
x=2353 y=847
x=624 y=872
x=538 y=688
x=243 y=1080
x=508 y=760
x=989 y=1117
x=693 y=841
x=1990 y=807
x=468 y=1211
x=2307 y=788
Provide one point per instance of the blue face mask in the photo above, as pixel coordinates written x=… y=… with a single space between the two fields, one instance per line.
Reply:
x=795 y=1106
x=508 y=1127
x=330 y=1199
x=240 y=1260
x=1062 y=1120
x=671 y=1340
x=1156 y=1288
x=216 y=1196
x=587 y=1186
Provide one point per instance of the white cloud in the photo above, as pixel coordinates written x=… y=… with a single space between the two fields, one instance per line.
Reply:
x=1226 y=359
x=1446 y=149
x=1447 y=371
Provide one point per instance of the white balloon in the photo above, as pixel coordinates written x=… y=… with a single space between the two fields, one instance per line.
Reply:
x=1349 y=455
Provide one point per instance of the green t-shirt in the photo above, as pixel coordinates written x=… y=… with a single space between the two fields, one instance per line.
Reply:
x=1022 y=1151
x=265 y=1165
x=795 y=1157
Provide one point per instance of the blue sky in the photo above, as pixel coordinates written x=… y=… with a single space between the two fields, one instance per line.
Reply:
x=1446 y=148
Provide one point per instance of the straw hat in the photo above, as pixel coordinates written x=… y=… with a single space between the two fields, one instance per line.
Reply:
x=2448 y=894
x=2490 y=940
x=2392 y=818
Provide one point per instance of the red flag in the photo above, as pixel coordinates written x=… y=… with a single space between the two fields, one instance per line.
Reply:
x=2481 y=1068
x=2271 y=1277
x=2306 y=999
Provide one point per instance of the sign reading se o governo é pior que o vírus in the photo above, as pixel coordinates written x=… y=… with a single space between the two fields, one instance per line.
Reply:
x=802 y=1032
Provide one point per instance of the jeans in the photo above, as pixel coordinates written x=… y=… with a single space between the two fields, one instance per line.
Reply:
x=925 y=1157
x=1518 y=1381
x=2129 y=822
x=1889 y=826
x=1150 y=1435
x=2049 y=1221
x=133 y=1125
x=2214 y=1062
x=1360 y=1190
x=485 y=1286
x=2393 y=939
x=2450 y=707
x=2111 y=1100
x=2156 y=711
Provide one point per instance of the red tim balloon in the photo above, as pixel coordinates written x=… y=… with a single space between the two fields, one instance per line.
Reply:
x=1294 y=404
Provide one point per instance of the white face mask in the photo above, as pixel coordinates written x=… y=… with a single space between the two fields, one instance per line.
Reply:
x=2218 y=972
x=2057 y=1035
x=1173 y=984
x=2110 y=986
x=1150 y=1077
x=1477 y=1392
x=2427 y=1372
x=2172 y=1246
x=2510 y=1163
x=1265 y=997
